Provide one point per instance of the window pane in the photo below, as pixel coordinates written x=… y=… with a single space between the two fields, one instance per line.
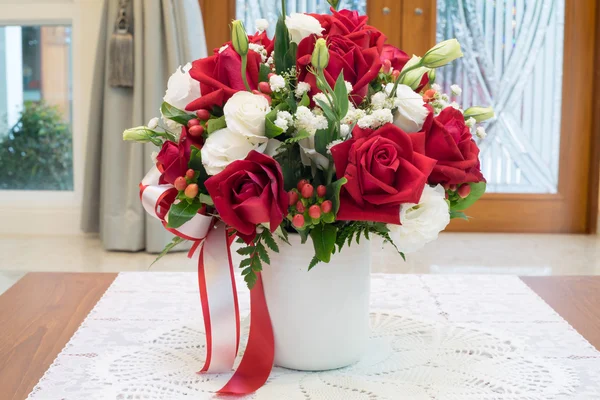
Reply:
x=513 y=61
x=251 y=10
x=35 y=108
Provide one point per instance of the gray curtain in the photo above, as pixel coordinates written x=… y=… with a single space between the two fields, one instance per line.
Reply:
x=167 y=33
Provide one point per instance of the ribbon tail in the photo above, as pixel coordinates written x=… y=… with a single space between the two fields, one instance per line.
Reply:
x=218 y=296
x=257 y=362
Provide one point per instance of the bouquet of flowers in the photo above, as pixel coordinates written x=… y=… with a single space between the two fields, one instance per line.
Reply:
x=324 y=130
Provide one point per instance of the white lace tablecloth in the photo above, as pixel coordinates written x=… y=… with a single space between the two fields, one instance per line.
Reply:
x=433 y=337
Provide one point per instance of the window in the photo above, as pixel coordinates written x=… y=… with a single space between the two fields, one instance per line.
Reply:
x=36 y=151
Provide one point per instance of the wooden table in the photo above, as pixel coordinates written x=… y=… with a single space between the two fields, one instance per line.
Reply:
x=40 y=313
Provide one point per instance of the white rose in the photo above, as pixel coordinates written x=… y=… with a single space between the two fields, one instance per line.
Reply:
x=182 y=89
x=245 y=114
x=421 y=223
x=411 y=112
x=302 y=25
x=222 y=147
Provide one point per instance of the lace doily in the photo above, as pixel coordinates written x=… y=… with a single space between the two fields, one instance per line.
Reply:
x=433 y=337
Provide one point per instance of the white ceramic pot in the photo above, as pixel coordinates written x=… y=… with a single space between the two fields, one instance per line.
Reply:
x=320 y=317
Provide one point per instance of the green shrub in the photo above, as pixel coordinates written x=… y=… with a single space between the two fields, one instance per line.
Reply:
x=37 y=153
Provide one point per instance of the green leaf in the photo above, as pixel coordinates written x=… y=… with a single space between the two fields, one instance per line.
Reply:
x=303 y=134
x=323 y=237
x=263 y=73
x=256 y=264
x=245 y=262
x=341 y=95
x=329 y=113
x=250 y=278
x=269 y=241
x=313 y=262
x=322 y=139
x=182 y=212
x=458 y=214
x=215 y=124
x=271 y=130
x=477 y=190
x=206 y=199
x=175 y=114
x=245 y=251
x=282 y=45
x=290 y=55
x=195 y=163
x=333 y=193
x=174 y=242
x=305 y=101
x=262 y=253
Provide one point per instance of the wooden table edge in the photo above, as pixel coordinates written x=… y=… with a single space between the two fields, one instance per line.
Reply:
x=39 y=314
x=41 y=319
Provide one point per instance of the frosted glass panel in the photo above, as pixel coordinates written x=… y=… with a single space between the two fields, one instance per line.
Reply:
x=251 y=10
x=513 y=61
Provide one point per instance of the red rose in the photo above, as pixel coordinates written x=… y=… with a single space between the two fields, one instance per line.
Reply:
x=397 y=57
x=353 y=26
x=220 y=77
x=173 y=159
x=450 y=142
x=383 y=171
x=249 y=192
x=360 y=66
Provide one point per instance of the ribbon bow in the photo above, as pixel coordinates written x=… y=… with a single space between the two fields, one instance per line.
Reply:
x=218 y=294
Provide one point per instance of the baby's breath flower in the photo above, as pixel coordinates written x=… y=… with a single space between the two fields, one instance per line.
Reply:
x=470 y=122
x=456 y=90
x=277 y=83
x=302 y=88
x=480 y=132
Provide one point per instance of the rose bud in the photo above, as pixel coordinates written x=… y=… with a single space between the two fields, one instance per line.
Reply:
x=314 y=211
x=387 y=66
x=320 y=55
x=301 y=184
x=190 y=174
x=321 y=191
x=464 y=190
x=239 y=38
x=180 y=183
x=193 y=122
x=196 y=131
x=298 y=220
x=293 y=196
x=265 y=88
x=307 y=191
x=326 y=206
x=300 y=207
x=442 y=53
x=203 y=115
x=191 y=191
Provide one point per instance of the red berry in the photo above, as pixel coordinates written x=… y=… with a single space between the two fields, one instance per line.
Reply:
x=326 y=206
x=203 y=115
x=266 y=96
x=270 y=75
x=191 y=191
x=300 y=207
x=298 y=220
x=446 y=186
x=264 y=87
x=180 y=183
x=193 y=122
x=301 y=184
x=254 y=91
x=196 y=131
x=464 y=190
x=452 y=187
x=428 y=95
x=314 y=211
x=307 y=191
x=387 y=65
x=293 y=197
x=190 y=174
x=395 y=74
x=321 y=191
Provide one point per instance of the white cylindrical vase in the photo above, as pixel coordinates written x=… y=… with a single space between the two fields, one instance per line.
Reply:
x=320 y=317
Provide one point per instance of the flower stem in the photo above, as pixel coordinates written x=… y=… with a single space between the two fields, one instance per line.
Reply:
x=244 y=77
x=283 y=11
x=402 y=74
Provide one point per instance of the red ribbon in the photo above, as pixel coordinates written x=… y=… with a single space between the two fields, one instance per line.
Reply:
x=218 y=295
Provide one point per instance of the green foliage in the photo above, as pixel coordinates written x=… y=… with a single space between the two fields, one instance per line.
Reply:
x=283 y=57
x=182 y=212
x=263 y=73
x=354 y=230
x=333 y=193
x=176 y=240
x=257 y=255
x=175 y=114
x=215 y=124
x=313 y=263
x=36 y=153
x=477 y=190
x=195 y=163
x=324 y=237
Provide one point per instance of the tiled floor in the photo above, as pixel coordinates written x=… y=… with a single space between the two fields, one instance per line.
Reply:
x=452 y=253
